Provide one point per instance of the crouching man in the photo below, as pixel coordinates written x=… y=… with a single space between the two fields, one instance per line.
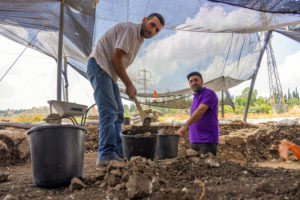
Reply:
x=203 y=124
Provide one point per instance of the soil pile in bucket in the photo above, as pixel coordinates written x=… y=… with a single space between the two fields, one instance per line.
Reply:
x=140 y=141
x=141 y=131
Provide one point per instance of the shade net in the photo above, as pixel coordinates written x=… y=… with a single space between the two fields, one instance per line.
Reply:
x=219 y=40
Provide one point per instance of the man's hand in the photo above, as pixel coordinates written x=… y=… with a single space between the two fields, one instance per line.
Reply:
x=130 y=91
x=181 y=131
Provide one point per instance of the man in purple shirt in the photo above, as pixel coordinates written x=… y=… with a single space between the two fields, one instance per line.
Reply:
x=203 y=123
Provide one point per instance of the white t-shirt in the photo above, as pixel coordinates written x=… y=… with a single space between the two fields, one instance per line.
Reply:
x=125 y=36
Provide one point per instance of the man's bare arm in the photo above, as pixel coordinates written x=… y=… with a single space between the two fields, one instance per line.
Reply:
x=121 y=71
x=197 y=114
x=195 y=117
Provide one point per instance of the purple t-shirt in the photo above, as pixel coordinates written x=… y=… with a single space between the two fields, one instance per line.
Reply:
x=206 y=129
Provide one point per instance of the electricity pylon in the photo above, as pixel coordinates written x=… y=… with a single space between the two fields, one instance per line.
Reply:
x=276 y=95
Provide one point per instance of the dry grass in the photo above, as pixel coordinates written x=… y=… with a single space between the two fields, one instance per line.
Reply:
x=292 y=112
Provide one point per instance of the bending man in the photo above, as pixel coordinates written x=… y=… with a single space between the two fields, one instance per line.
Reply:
x=114 y=52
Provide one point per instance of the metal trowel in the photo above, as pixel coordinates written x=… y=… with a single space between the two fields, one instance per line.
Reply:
x=145 y=119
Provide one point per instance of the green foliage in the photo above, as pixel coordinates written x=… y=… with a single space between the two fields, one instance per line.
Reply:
x=242 y=99
x=293 y=101
x=257 y=104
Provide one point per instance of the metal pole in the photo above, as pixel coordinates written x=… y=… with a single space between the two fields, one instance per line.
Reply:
x=60 y=46
x=261 y=53
x=222 y=104
x=66 y=78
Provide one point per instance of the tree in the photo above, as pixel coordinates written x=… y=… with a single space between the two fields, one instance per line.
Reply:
x=296 y=94
x=289 y=94
x=132 y=108
x=242 y=99
x=126 y=109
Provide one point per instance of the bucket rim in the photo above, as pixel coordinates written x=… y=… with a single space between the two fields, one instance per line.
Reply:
x=168 y=135
x=140 y=136
x=55 y=126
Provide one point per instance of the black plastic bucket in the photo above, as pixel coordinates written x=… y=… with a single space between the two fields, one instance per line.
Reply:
x=57 y=154
x=144 y=146
x=167 y=146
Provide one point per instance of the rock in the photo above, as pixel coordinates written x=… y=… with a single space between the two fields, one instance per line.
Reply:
x=212 y=162
x=17 y=143
x=3 y=177
x=184 y=189
x=251 y=137
x=191 y=153
x=287 y=122
x=4 y=154
x=76 y=184
x=116 y=172
x=194 y=159
x=273 y=147
x=102 y=185
x=222 y=139
x=147 y=134
x=245 y=172
x=100 y=173
x=10 y=197
x=111 y=179
x=116 y=164
x=120 y=186
x=234 y=140
x=138 y=186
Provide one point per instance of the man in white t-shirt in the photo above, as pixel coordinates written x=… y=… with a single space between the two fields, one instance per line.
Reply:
x=114 y=52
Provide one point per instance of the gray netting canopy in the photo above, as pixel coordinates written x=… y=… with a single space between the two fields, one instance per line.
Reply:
x=220 y=40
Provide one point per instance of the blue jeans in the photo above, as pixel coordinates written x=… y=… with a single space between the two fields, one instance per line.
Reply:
x=111 y=112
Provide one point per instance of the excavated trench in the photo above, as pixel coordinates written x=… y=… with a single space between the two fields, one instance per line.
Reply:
x=233 y=174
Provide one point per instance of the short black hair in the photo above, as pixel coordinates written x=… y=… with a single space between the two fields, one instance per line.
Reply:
x=159 y=16
x=194 y=73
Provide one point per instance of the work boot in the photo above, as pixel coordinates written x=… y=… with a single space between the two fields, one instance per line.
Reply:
x=100 y=163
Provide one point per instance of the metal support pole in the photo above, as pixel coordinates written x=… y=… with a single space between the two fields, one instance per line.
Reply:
x=60 y=46
x=222 y=104
x=66 y=78
x=261 y=53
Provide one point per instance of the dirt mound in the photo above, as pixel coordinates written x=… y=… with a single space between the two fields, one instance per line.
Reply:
x=189 y=176
x=14 y=147
x=179 y=178
x=92 y=136
x=261 y=144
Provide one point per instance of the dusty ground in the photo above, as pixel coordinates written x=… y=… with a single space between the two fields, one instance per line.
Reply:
x=239 y=175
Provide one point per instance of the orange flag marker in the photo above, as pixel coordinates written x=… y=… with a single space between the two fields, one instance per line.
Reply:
x=155 y=94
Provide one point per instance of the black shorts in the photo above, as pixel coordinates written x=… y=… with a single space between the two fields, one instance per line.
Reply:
x=205 y=147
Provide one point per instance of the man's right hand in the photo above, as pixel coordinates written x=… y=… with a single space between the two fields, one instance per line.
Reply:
x=130 y=91
x=181 y=131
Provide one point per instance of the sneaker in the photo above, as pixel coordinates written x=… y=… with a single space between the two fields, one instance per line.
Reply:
x=100 y=163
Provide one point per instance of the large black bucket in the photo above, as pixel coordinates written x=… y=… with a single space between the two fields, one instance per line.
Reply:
x=167 y=146
x=57 y=154
x=144 y=146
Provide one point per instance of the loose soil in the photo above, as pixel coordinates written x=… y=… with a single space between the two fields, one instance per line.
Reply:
x=250 y=170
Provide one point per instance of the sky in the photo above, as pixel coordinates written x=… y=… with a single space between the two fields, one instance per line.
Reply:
x=31 y=82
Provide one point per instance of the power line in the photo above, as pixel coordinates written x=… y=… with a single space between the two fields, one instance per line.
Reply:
x=25 y=48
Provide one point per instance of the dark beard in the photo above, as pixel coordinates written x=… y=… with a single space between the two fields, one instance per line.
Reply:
x=142 y=30
x=196 y=90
